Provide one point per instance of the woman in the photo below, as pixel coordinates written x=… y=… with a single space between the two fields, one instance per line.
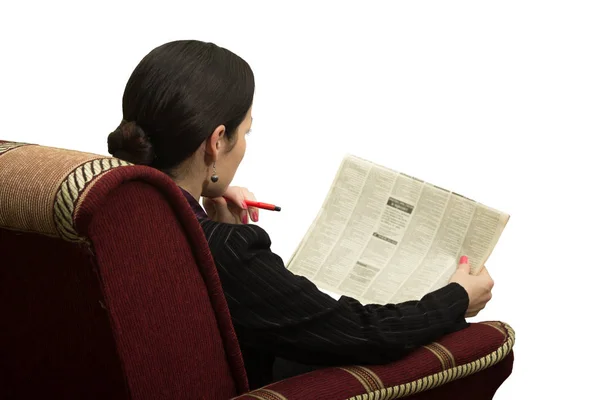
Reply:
x=186 y=111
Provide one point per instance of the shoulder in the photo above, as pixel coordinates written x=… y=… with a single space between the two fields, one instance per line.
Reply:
x=237 y=235
x=241 y=248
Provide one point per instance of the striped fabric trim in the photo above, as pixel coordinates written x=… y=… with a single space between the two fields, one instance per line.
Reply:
x=440 y=378
x=70 y=191
x=443 y=354
x=496 y=325
x=4 y=147
x=366 y=377
x=265 y=394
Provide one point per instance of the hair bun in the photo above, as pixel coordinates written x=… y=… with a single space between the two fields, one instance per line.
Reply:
x=130 y=143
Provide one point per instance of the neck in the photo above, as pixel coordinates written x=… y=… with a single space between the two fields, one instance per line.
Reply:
x=187 y=176
x=192 y=186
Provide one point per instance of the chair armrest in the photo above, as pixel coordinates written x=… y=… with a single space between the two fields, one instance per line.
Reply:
x=468 y=364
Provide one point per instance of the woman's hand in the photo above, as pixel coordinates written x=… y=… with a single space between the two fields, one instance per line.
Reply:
x=231 y=207
x=478 y=287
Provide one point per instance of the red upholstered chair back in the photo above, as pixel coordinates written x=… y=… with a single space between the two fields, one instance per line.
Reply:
x=107 y=286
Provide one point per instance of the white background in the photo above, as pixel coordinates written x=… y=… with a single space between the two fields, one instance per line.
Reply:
x=498 y=101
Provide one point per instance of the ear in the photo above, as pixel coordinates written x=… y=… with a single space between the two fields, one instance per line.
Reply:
x=215 y=144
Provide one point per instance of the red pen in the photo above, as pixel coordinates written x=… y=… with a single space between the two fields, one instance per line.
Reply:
x=258 y=204
x=264 y=206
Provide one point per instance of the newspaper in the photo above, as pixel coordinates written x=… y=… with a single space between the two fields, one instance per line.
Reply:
x=386 y=237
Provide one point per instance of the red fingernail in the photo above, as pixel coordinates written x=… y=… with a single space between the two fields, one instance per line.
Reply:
x=245 y=219
x=255 y=216
x=244 y=206
x=464 y=260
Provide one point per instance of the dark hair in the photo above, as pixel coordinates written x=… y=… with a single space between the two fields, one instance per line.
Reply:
x=176 y=97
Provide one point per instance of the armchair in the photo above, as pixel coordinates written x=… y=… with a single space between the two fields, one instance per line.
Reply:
x=108 y=290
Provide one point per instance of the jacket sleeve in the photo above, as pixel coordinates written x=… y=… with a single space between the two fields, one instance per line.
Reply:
x=285 y=314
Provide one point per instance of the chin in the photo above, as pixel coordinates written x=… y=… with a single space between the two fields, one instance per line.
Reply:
x=213 y=190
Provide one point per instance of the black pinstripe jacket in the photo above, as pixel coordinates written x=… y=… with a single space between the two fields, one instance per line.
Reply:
x=278 y=314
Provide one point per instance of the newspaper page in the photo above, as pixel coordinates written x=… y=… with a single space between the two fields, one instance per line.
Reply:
x=386 y=237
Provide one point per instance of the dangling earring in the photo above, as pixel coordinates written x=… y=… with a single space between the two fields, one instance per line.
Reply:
x=214 y=178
